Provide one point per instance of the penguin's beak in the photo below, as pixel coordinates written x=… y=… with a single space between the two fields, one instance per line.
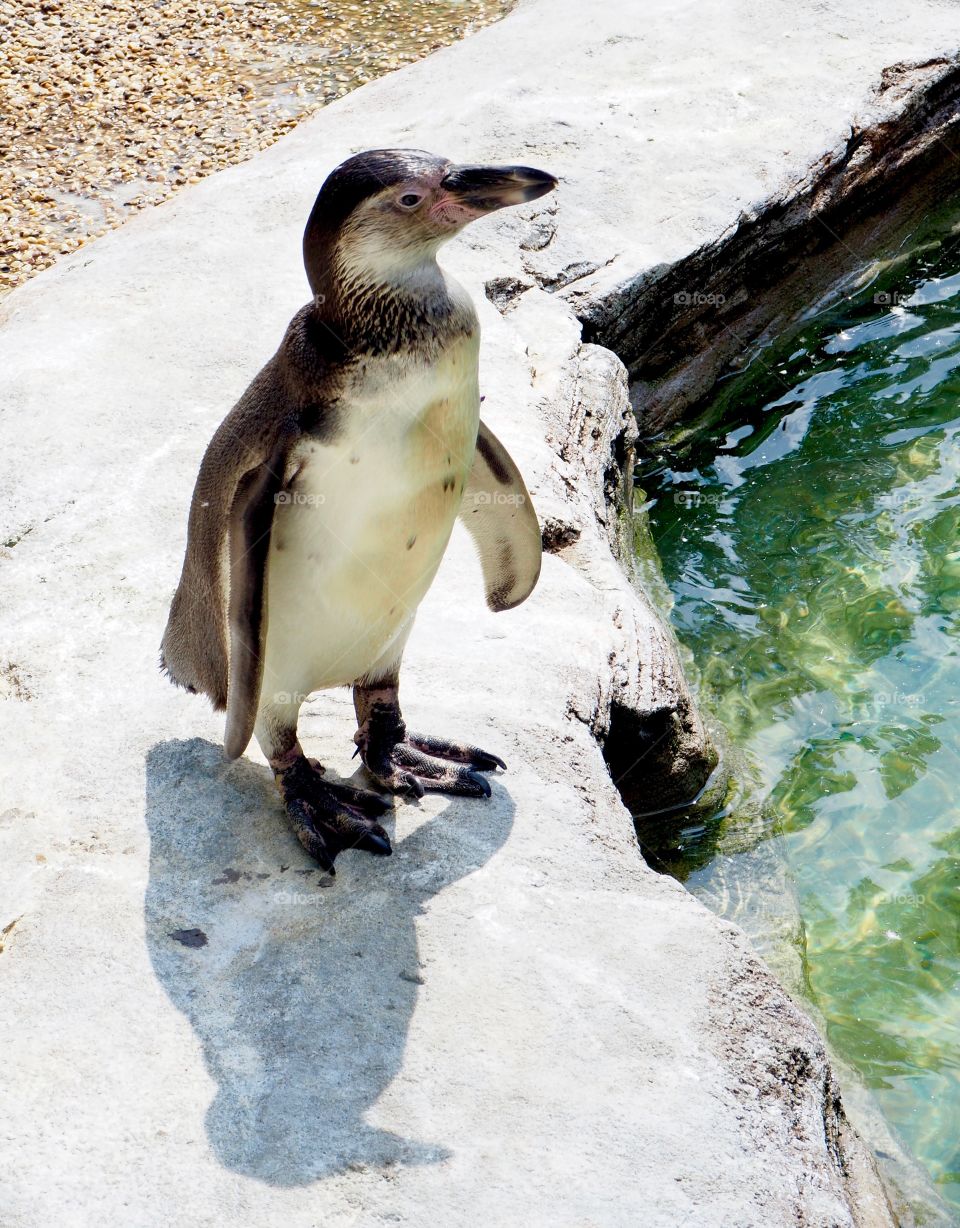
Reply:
x=485 y=188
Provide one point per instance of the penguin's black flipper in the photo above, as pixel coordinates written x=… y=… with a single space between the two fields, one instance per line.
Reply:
x=498 y=512
x=251 y=523
x=212 y=639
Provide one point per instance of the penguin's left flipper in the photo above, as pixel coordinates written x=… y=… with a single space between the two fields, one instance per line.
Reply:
x=498 y=513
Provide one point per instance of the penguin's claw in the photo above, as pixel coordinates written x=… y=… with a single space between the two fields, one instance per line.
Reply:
x=371 y=804
x=456 y=752
x=405 y=768
x=329 y=818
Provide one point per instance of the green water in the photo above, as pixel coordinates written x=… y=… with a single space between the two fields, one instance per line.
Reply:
x=811 y=541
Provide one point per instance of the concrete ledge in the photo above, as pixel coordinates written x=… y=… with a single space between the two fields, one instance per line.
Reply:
x=680 y=327
x=514 y=1020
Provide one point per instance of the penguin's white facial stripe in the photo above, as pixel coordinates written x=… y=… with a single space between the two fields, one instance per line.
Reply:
x=383 y=241
x=379 y=254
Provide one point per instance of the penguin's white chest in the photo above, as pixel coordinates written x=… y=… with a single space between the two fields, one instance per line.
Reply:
x=362 y=525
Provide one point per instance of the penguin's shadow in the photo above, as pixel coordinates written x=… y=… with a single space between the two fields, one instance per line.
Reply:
x=301 y=988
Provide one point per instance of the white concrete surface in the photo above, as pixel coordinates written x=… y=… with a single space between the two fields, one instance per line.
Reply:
x=512 y=1021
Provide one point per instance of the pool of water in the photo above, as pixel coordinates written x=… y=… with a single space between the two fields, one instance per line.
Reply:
x=810 y=536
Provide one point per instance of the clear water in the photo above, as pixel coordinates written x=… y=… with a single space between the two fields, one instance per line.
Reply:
x=810 y=540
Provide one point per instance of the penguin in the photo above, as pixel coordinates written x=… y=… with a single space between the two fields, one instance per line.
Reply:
x=326 y=498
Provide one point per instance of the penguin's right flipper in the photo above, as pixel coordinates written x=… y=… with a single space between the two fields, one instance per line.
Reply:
x=251 y=523
x=498 y=512
x=212 y=642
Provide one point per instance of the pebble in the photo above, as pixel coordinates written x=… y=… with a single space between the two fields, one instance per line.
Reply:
x=107 y=106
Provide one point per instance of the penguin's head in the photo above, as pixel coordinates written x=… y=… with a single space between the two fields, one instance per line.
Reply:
x=382 y=213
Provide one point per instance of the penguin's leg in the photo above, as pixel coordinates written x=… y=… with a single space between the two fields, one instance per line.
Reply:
x=326 y=817
x=407 y=762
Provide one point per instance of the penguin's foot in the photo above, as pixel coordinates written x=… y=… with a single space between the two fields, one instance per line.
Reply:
x=414 y=763
x=329 y=818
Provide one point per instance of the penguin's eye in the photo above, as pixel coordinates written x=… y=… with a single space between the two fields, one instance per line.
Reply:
x=410 y=200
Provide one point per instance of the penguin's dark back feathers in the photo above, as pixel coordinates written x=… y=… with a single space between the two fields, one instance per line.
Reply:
x=293 y=394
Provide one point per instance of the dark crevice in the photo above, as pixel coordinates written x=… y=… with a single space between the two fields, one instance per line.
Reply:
x=557 y=535
x=503 y=292
x=645 y=754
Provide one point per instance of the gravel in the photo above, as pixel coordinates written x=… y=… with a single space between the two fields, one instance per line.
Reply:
x=110 y=105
